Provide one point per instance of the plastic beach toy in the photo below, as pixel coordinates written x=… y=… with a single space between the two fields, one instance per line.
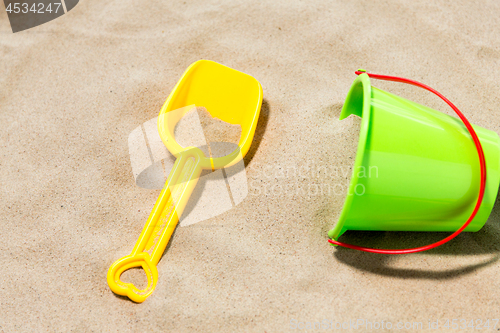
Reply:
x=416 y=169
x=227 y=94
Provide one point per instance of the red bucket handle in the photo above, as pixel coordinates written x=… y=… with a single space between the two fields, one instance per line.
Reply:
x=482 y=164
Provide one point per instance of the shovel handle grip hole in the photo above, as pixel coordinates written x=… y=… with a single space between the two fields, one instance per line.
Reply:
x=130 y=268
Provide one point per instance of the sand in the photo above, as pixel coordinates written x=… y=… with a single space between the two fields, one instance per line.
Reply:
x=72 y=90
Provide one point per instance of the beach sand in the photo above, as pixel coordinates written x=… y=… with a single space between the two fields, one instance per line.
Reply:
x=73 y=89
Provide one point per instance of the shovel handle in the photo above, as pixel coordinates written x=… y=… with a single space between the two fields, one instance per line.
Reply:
x=159 y=227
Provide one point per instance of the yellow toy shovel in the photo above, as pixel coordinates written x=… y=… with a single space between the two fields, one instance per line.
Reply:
x=227 y=94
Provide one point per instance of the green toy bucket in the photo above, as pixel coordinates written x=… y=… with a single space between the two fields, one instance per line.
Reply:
x=416 y=168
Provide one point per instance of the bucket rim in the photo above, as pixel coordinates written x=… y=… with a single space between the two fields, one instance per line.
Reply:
x=361 y=82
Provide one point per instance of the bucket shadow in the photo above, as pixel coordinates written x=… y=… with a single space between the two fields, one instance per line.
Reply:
x=483 y=242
